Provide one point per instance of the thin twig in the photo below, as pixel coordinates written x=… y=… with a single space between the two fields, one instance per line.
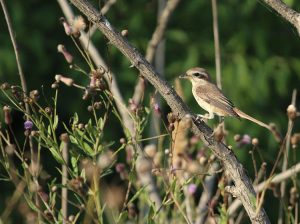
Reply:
x=13 y=201
x=216 y=42
x=108 y=4
x=34 y=159
x=16 y=50
x=289 y=14
x=286 y=158
x=64 y=179
x=207 y=193
x=159 y=63
x=235 y=171
x=156 y=38
x=260 y=187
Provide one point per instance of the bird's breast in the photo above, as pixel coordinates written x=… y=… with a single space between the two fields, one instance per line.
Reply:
x=210 y=108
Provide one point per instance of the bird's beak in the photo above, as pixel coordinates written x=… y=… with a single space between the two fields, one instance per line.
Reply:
x=183 y=76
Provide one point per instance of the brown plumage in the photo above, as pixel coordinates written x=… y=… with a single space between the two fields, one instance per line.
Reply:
x=211 y=98
x=208 y=94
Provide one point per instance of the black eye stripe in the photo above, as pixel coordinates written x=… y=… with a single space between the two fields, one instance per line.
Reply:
x=199 y=75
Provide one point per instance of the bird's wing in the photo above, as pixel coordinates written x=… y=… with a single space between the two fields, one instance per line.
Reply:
x=211 y=94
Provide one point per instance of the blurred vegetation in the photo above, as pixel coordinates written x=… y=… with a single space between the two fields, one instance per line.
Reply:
x=259 y=56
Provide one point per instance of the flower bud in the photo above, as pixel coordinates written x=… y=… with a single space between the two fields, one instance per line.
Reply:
x=66 y=25
x=65 y=80
x=28 y=125
x=291 y=112
x=78 y=26
x=62 y=49
x=255 y=141
x=64 y=137
x=124 y=33
x=7 y=115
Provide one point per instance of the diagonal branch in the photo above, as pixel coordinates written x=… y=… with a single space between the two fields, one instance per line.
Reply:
x=289 y=14
x=156 y=38
x=242 y=184
x=277 y=179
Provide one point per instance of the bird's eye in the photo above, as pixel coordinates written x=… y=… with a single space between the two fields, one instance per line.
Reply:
x=198 y=75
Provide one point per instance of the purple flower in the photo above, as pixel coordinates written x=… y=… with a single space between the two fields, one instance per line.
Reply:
x=245 y=140
x=28 y=125
x=192 y=189
x=157 y=108
x=120 y=167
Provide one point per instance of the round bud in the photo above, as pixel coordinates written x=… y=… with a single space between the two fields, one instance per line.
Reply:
x=124 y=33
x=122 y=140
x=255 y=141
x=237 y=138
x=90 y=108
x=291 y=112
x=54 y=188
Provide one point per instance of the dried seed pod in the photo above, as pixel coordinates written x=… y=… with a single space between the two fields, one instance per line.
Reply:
x=67 y=55
x=291 y=112
x=295 y=139
x=48 y=110
x=5 y=86
x=255 y=141
x=171 y=117
x=124 y=33
x=237 y=138
x=67 y=27
x=97 y=105
x=150 y=150
x=34 y=95
x=7 y=115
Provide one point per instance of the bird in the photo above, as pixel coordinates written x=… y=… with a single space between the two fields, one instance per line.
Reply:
x=212 y=99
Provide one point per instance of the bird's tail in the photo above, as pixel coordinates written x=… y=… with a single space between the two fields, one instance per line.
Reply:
x=246 y=116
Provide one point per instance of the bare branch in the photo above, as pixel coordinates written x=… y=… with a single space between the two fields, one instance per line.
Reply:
x=103 y=11
x=156 y=38
x=233 y=168
x=16 y=49
x=33 y=154
x=289 y=14
x=260 y=187
x=216 y=42
x=64 y=179
x=208 y=192
x=286 y=157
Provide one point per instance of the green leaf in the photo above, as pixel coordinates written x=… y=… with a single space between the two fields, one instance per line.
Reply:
x=73 y=140
x=31 y=204
x=55 y=122
x=57 y=156
x=74 y=161
x=75 y=118
x=88 y=149
x=136 y=195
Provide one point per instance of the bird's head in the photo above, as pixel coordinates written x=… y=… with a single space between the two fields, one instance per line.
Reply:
x=196 y=75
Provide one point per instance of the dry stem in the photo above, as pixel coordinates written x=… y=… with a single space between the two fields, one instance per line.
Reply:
x=156 y=38
x=289 y=14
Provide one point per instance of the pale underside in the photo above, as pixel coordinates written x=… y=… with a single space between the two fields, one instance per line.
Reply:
x=211 y=99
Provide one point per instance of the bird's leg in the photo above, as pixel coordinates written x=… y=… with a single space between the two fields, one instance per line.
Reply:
x=222 y=118
x=206 y=116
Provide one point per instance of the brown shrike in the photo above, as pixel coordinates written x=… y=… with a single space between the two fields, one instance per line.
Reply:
x=211 y=98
